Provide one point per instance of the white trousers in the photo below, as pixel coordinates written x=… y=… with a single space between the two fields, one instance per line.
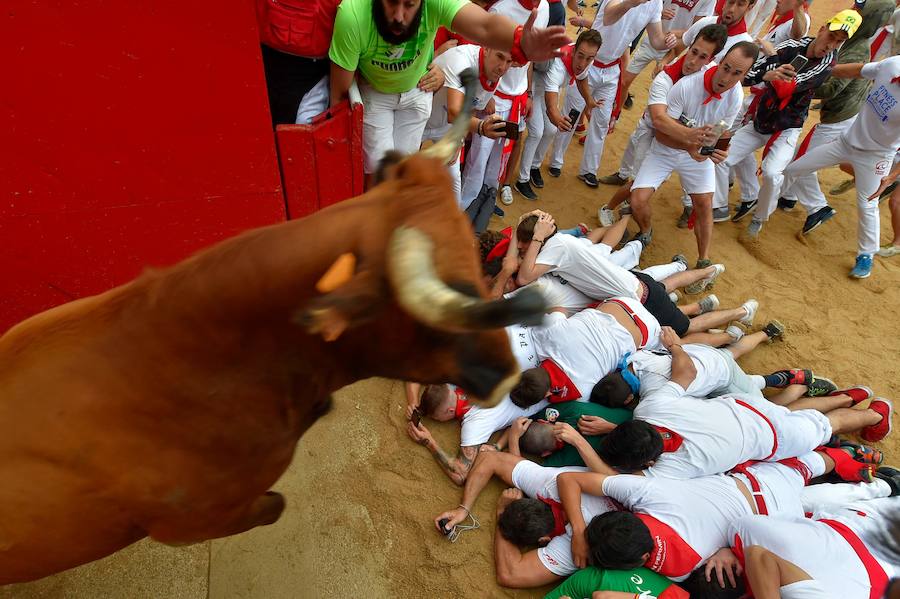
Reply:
x=868 y=168
x=483 y=159
x=541 y=133
x=392 y=122
x=806 y=188
x=743 y=144
x=831 y=496
x=636 y=150
x=453 y=169
x=561 y=141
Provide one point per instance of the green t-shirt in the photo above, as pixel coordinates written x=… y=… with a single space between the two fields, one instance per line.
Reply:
x=569 y=412
x=640 y=580
x=356 y=44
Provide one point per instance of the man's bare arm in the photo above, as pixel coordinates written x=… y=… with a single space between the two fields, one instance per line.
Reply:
x=515 y=569
x=616 y=9
x=767 y=573
x=850 y=70
x=340 y=81
x=496 y=31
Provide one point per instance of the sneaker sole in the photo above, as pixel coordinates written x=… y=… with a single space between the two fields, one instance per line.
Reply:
x=748 y=320
x=722 y=219
x=865 y=276
x=588 y=183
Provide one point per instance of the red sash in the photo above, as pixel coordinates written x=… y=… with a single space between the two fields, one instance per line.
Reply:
x=671 y=440
x=761 y=415
x=804 y=145
x=561 y=386
x=878 y=580
x=671 y=555
x=516 y=114
x=559 y=516
x=645 y=332
x=766 y=149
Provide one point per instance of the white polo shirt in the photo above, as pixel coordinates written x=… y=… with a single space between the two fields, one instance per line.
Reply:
x=686 y=11
x=691 y=34
x=479 y=424
x=515 y=81
x=556 y=77
x=533 y=480
x=586 y=266
x=659 y=93
x=782 y=32
x=558 y=293
x=654 y=369
x=619 y=35
x=453 y=62
x=717 y=434
x=877 y=128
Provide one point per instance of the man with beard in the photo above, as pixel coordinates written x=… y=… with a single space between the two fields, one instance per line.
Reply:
x=390 y=43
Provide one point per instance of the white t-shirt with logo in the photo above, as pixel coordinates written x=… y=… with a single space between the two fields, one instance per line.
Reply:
x=877 y=128
x=515 y=81
x=533 y=480
x=654 y=369
x=618 y=36
x=691 y=34
x=717 y=433
x=453 y=62
x=586 y=266
x=558 y=293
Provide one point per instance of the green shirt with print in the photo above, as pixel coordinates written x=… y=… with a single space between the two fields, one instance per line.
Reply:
x=356 y=44
x=569 y=412
x=640 y=581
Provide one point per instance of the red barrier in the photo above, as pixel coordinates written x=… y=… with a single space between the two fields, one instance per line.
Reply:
x=321 y=163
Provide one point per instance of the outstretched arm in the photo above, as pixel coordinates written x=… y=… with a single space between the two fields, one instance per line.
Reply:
x=487 y=465
x=457 y=469
x=497 y=31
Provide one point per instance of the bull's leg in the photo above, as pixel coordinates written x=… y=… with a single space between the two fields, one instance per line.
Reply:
x=264 y=510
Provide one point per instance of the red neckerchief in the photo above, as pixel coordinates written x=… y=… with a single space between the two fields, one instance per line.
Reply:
x=707 y=84
x=671 y=554
x=462 y=404
x=671 y=440
x=895 y=80
x=559 y=516
x=485 y=83
x=567 y=61
x=737 y=28
x=561 y=386
x=527 y=5
x=780 y=20
x=499 y=250
x=675 y=71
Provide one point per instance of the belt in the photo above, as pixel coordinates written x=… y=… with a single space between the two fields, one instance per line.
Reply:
x=509 y=97
x=878 y=580
x=763 y=416
x=755 y=489
x=606 y=65
x=645 y=332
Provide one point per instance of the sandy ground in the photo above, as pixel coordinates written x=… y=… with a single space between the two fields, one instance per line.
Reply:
x=361 y=495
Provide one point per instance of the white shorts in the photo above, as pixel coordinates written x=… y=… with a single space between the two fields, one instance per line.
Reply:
x=643 y=55
x=696 y=177
x=797 y=433
x=782 y=485
x=534 y=479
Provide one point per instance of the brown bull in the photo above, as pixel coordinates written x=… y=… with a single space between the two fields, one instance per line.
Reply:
x=170 y=405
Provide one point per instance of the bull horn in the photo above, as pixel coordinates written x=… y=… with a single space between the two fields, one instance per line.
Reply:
x=428 y=299
x=447 y=147
x=500 y=391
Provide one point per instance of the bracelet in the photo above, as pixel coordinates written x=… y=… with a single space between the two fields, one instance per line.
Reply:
x=468 y=513
x=540 y=241
x=480 y=129
x=516 y=52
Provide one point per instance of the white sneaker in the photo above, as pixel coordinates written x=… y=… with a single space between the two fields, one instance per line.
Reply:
x=735 y=332
x=709 y=303
x=750 y=306
x=506 y=195
x=606 y=216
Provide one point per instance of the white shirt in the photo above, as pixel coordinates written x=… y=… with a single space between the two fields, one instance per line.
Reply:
x=686 y=11
x=776 y=35
x=533 y=480
x=654 y=369
x=558 y=293
x=877 y=128
x=619 y=35
x=659 y=93
x=758 y=16
x=700 y=511
x=718 y=434
x=480 y=423
x=556 y=77
x=586 y=266
x=691 y=34
x=453 y=62
x=686 y=102
x=515 y=81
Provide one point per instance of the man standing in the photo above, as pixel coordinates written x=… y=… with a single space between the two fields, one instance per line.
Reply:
x=618 y=21
x=390 y=43
x=545 y=119
x=781 y=110
x=869 y=145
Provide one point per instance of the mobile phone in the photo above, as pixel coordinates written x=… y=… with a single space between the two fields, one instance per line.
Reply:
x=416 y=417
x=723 y=143
x=443 y=524
x=799 y=62
x=574 y=115
x=512 y=130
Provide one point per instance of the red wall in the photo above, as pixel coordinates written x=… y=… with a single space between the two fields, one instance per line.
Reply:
x=133 y=133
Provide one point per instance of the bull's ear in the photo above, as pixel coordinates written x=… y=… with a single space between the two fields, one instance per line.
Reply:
x=338 y=273
x=352 y=303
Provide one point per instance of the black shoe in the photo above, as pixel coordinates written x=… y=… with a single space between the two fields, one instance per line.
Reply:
x=644 y=238
x=554 y=172
x=891 y=476
x=743 y=210
x=818 y=217
x=786 y=204
x=536 y=179
x=589 y=179
x=498 y=211
x=525 y=190
x=628 y=103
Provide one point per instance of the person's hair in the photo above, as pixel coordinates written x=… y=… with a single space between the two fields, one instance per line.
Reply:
x=748 y=49
x=525 y=230
x=631 y=446
x=538 y=439
x=532 y=387
x=525 y=521
x=611 y=391
x=432 y=397
x=715 y=33
x=618 y=541
x=698 y=587
x=589 y=36
x=486 y=242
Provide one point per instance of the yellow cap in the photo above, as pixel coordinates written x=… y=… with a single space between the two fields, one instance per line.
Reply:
x=846 y=20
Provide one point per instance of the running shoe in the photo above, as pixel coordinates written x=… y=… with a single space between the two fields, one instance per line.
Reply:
x=536 y=179
x=554 y=171
x=524 y=189
x=721 y=215
x=613 y=179
x=606 y=216
x=589 y=179
x=685 y=217
x=743 y=210
x=708 y=304
x=506 y=195
x=750 y=306
x=773 y=329
x=786 y=204
x=877 y=432
x=863 y=267
x=818 y=218
x=888 y=251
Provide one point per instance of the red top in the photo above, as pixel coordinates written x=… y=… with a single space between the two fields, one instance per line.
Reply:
x=299 y=27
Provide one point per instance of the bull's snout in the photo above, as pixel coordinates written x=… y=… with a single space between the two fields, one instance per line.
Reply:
x=487 y=386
